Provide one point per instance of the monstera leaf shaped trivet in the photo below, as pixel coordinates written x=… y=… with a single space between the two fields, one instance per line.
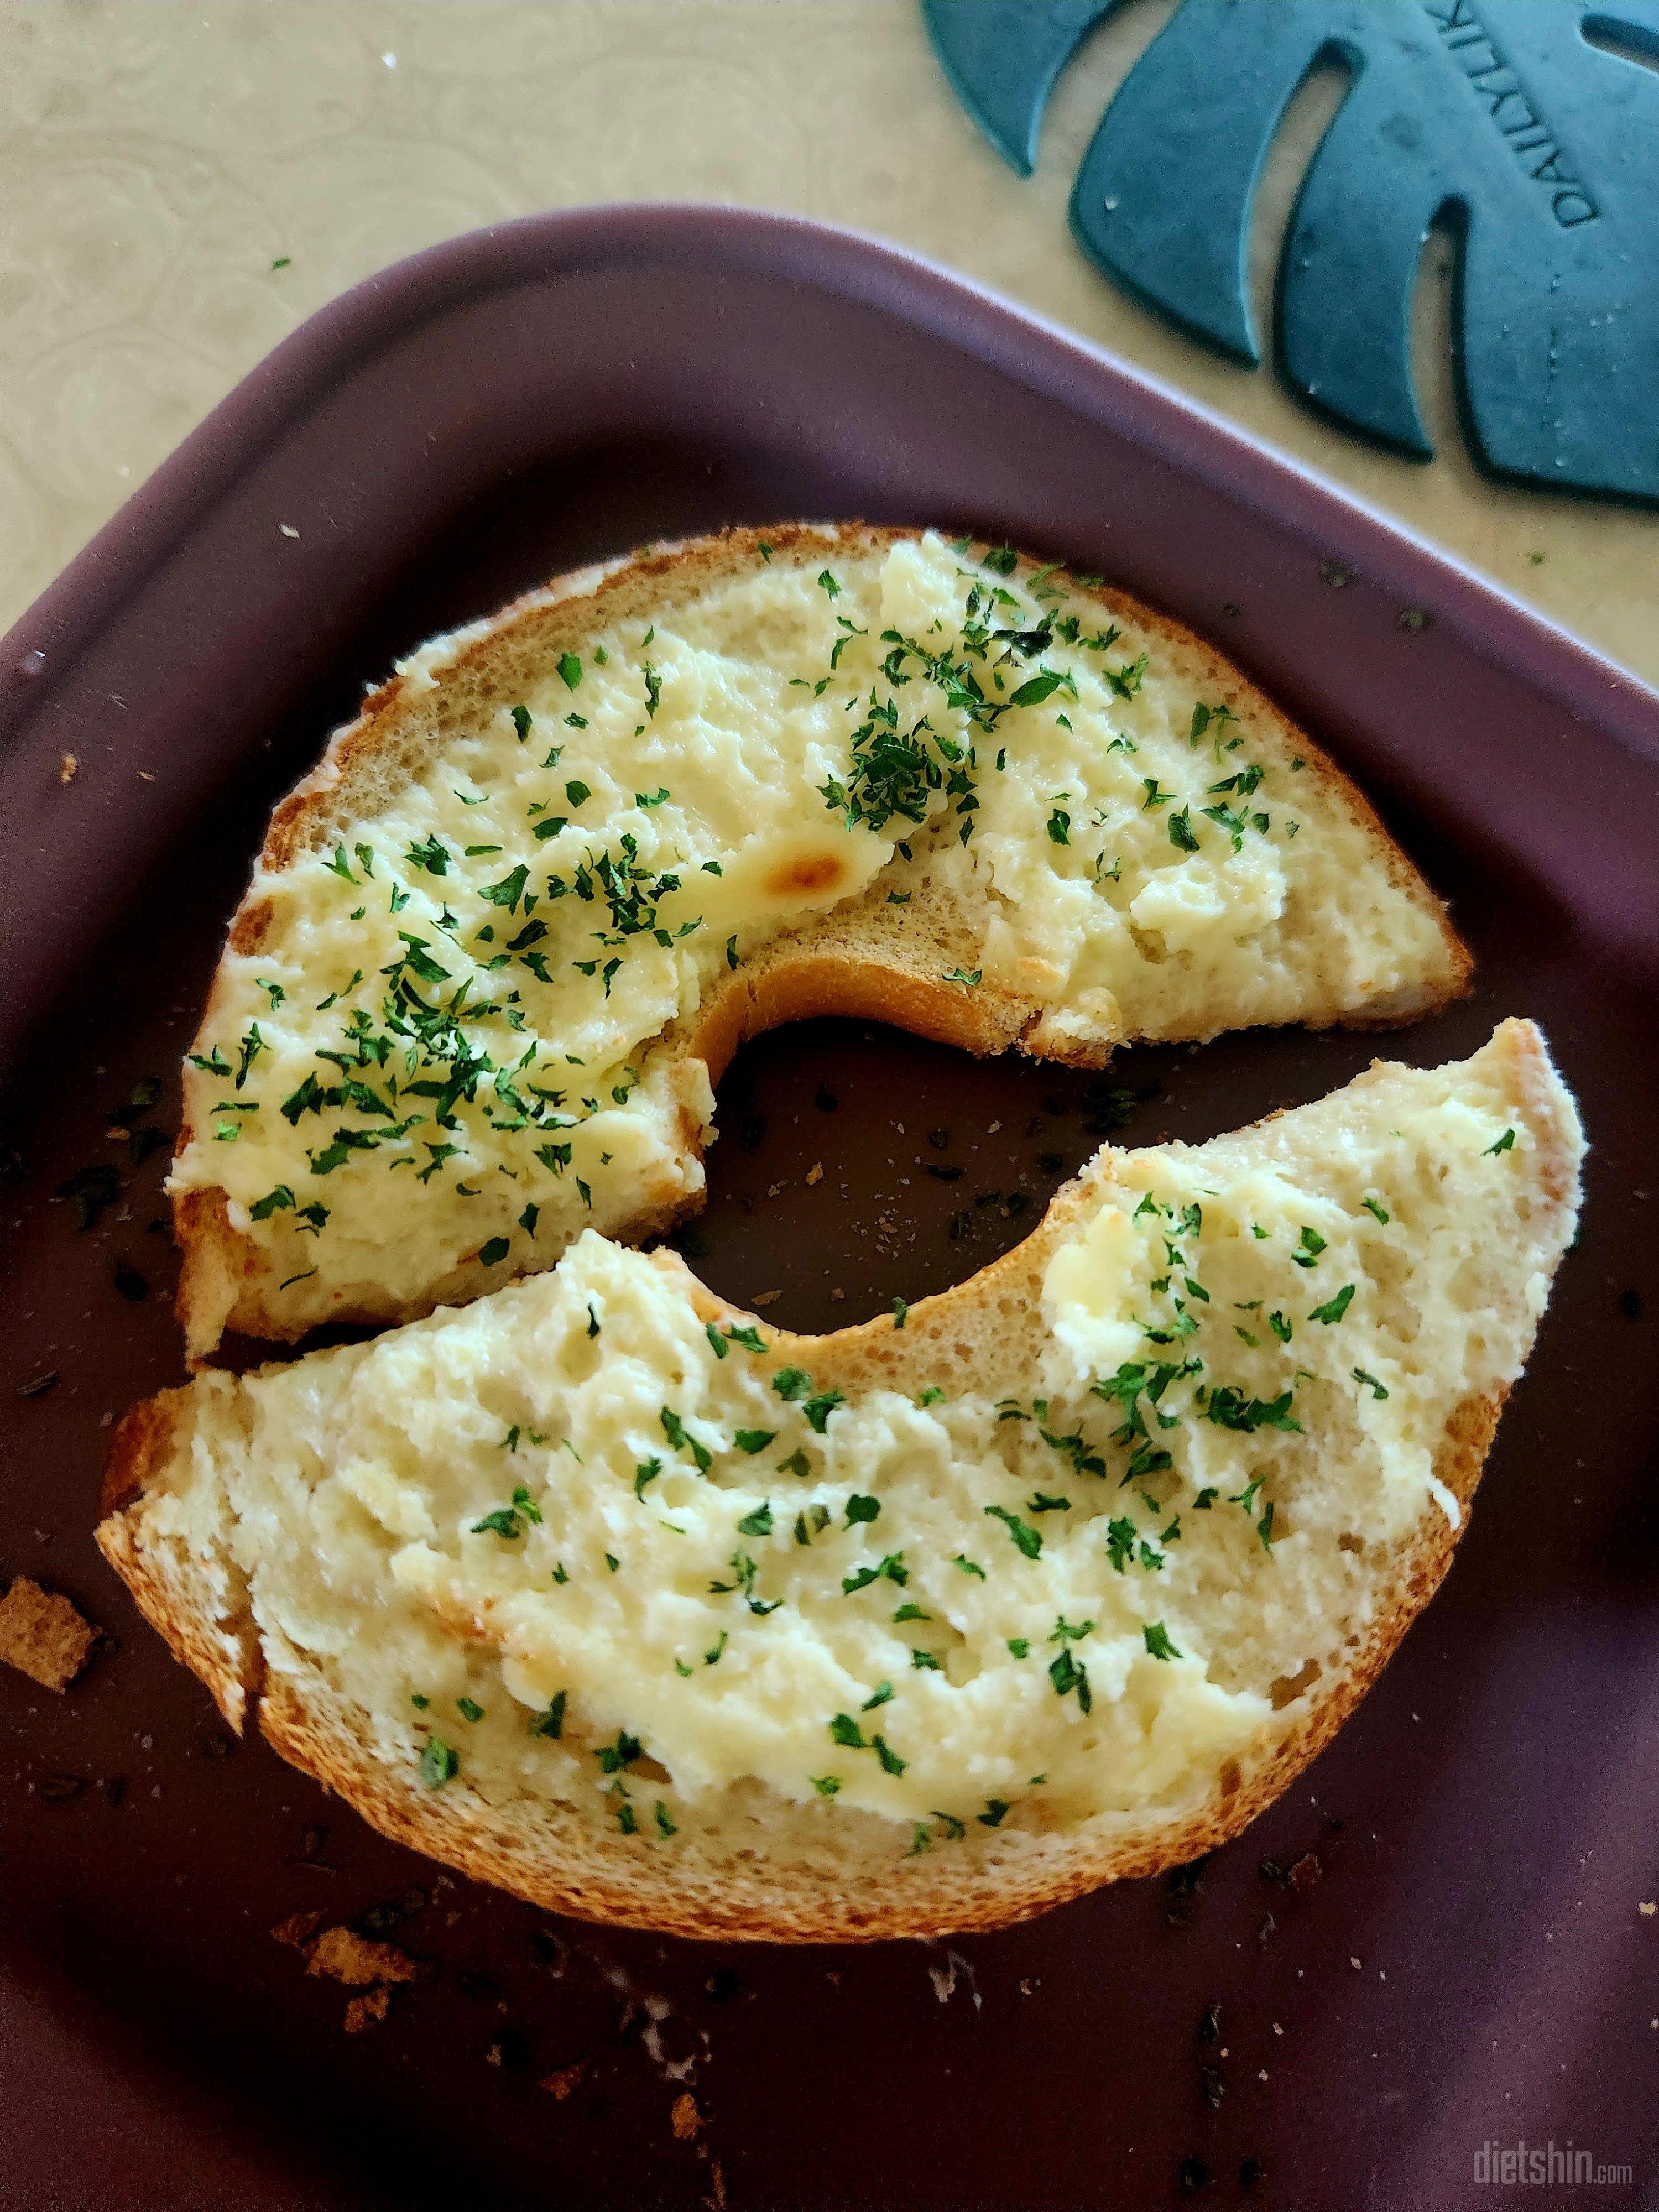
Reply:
x=1500 y=114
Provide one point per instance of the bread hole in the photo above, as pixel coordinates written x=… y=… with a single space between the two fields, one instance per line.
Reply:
x=1285 y=1689
x=889 y=1211
x=1148 y=944
x=1347 y=1541
x=1232 y=1778
x=647 y=1769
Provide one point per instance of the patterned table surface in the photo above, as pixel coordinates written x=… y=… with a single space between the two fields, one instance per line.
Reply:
x=158 y=157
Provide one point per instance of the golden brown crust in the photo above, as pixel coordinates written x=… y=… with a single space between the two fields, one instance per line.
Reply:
x=795 y=983
x=845 y=964
x=169 y=1589
x=140 y=1442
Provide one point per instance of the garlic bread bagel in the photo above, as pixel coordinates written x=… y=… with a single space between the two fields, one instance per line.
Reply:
x=599 y=1590
x=498 y=947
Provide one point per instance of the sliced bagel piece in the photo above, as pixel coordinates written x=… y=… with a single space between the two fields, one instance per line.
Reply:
x=498 y=946
x=599 y=1590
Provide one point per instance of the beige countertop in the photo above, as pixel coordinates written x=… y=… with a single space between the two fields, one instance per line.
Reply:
x=185 y=181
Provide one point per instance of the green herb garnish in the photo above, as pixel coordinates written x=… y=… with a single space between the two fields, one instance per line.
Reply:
x=439 y=1763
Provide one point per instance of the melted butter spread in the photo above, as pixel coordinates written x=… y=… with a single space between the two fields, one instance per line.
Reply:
x=594 y=1546
x=449 y=1048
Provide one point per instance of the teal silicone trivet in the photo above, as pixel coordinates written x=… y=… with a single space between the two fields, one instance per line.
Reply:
x=1505 y=117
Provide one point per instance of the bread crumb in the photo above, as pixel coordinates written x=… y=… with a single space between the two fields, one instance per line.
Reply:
x=559 y=2084
x=43 y=1636
x=1305 y=1873
x=1647 y=1911
x=833 y=1295
x=766 y=1298
x=815 y=1173
x=144 y=776
x=1354 y=1963
x=716 y=2198
x=993 y=1129
x=297 y=1930
x=362 y=2012
x=685 y=2119
x=68 y=768
x=355 y=1960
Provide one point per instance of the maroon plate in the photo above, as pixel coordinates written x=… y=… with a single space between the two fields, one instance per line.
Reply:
x=1433 y=1944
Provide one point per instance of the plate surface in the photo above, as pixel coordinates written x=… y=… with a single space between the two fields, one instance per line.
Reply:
x=1469 y=1967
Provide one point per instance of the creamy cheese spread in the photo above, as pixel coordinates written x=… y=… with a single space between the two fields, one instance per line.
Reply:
x=450 y=1049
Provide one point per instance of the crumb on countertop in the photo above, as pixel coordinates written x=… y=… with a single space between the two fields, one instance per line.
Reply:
x=560 y=2084
x=344 y=1956
x=362 y=2012
x=43 y=1635
x=353 y=1960
x=297 y=1930
x=67 y=769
